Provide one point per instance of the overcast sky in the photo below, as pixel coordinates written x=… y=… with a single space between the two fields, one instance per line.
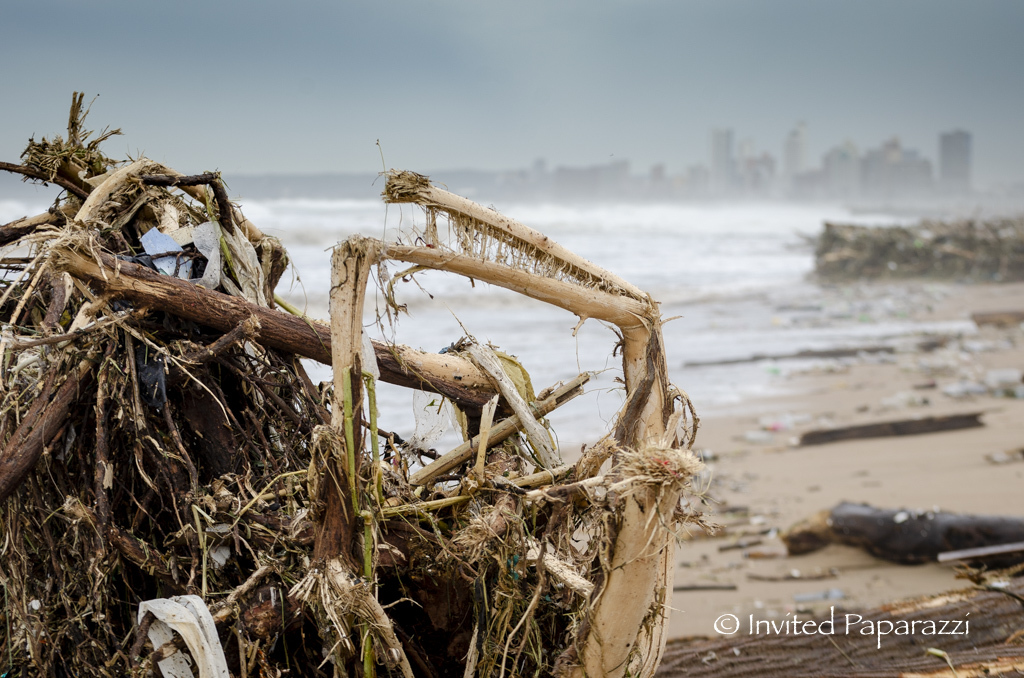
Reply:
x=261 y=86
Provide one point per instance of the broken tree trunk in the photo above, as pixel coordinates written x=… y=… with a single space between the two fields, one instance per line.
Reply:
x=899 y=535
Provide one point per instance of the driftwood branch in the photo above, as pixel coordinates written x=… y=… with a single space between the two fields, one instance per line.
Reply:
x=498 y=432
x=33 y=173
x=405 y=187
x=49 y=413
x=22 y=227
x=538 y=436
x=210 y=179
x=453 y=377
x=903 y=427
x=584 y=302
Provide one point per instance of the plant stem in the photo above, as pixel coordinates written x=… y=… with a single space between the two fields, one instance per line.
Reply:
x=350 y=437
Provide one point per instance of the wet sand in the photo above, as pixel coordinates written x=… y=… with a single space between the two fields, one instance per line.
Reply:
x=775 y=484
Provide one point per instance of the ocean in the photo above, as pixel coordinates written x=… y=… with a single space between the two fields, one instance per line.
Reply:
x=734 y=278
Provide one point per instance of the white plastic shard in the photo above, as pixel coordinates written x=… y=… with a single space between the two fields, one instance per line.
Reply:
x=206 y=238
x=169 y=216
x=245 y=265
x=156 y=243
x=189 y=617
x=433 y=415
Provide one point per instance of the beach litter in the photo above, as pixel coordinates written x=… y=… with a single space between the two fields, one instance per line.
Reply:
x=175 y=490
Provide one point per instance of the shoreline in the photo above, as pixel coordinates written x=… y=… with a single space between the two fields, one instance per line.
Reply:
x=778 y=485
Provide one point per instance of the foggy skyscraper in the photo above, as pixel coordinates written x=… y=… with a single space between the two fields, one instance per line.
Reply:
x=722 y=161
x=955 y=161
x=794 y=153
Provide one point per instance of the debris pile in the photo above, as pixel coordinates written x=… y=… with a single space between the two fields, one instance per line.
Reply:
x=176 y=492
x=990 y=250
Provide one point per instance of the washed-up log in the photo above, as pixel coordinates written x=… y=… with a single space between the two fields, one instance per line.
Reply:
x=903 y=427
x=998 y=318
x=808 y=354
x=453 y=377
x=900 y=535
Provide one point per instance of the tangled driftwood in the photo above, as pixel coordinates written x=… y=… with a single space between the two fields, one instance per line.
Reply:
x=985 y=250
x=178 y=493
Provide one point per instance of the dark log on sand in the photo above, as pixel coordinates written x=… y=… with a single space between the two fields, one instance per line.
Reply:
x=901 y=536
x=453 y=377
x=903 y=427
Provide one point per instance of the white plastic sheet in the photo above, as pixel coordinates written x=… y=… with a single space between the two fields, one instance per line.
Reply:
x=206 y=238
x=189 y=617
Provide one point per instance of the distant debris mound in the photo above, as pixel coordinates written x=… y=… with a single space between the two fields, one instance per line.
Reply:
x=990 y=250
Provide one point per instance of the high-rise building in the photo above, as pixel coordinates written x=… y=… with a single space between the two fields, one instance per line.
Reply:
x=955 y=161
x=794 y=152
x=894 y=171
x=723 y=162
x=841 y=167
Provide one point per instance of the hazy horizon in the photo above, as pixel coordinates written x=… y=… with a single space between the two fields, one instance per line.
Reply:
x=258 y=87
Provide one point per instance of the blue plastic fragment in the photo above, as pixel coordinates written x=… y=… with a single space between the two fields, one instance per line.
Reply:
x=155 y=243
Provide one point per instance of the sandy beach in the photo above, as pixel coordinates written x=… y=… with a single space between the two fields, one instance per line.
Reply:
x=758 y=483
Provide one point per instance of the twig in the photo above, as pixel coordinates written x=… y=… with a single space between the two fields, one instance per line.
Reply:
x=210 y=179
x=103 y=474
x=193 y=475
x=33 y=173
x=140 y=638
x=499 y=432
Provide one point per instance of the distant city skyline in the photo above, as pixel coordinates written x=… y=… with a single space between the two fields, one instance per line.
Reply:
x=256 y=87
